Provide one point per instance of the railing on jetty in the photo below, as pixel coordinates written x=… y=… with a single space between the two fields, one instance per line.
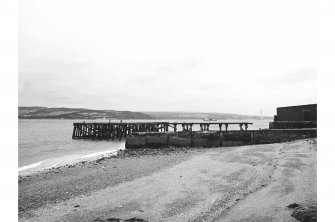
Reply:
x=119 y=130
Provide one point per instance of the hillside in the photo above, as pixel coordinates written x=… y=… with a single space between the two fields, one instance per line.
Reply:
x=190 y=115
x=38 y=112
x=77 y=113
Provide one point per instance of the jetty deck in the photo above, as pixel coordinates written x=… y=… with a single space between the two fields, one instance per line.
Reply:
x=119 y=130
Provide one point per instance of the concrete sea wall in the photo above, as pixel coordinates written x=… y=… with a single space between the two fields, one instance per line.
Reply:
x=292 y=124
x=297 y=113
x=215 y=138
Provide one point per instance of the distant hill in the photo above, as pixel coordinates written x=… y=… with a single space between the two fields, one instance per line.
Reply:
x=190 y=115
x=39 y=112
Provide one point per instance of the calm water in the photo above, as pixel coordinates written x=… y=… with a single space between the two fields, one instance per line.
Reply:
x=46 y=143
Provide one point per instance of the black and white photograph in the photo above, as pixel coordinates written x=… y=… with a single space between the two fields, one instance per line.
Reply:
x=176 y=111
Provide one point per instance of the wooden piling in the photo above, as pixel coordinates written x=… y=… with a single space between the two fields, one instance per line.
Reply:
x=122 y=130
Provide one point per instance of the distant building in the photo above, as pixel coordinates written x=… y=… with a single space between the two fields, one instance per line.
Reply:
x=295 y=117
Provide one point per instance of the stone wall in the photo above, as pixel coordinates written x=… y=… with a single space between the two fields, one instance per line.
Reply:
x=297 y=113
x=215 y=138
x=282 y=135
x=292 y=124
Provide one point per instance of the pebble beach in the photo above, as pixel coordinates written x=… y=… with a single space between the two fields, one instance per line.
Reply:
x=246 y=183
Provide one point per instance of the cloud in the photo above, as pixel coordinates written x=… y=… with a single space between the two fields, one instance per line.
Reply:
x=165 y=56
x=294 y=77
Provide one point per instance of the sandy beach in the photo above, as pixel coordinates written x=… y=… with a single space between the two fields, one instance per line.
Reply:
x=246 y=183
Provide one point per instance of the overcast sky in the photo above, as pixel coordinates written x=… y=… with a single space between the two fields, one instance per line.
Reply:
x=202 y=56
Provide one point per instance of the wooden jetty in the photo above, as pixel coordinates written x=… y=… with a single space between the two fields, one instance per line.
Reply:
x=119 y=130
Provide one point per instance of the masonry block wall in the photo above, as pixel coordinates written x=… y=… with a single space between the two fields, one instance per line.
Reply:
x=297 y=113
x=292 y=124
x=215 y=138
x=295 y=117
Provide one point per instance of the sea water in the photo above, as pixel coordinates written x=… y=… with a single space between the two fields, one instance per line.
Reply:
x=47 y=143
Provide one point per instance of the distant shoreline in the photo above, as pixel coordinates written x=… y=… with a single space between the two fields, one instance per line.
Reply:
x=79 y=113
x=48 y=118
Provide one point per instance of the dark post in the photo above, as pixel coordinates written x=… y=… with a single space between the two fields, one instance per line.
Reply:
x=74 y=129
x=113 y=132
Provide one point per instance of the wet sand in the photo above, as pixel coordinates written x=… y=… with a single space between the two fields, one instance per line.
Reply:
x=247 y=183
x=65 y=182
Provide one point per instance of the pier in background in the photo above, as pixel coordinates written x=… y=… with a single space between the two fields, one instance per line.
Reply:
x=119 y=130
